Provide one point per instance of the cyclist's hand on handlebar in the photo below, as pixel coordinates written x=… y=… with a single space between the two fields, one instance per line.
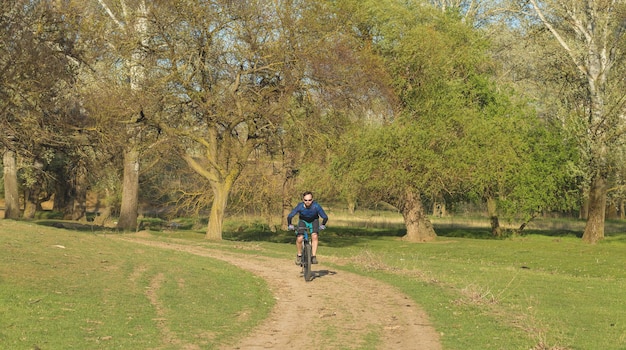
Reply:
x=290 y=228
x=322 y=227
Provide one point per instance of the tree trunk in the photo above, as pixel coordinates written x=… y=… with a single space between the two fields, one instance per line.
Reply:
x=594 y=229
x=221 y=179
x=63 y=194
x=351 y=207
x=584 y=208
x=418 y=226
x=138 y=20
x=130 y=191
x=103 y=210
x=288 y=189
x=102 y=216
x=11 y=191
x=611 y=211
x=439 y=208
x=79 y=209
x=218 y=210
x=492 y=210
x=31 y=198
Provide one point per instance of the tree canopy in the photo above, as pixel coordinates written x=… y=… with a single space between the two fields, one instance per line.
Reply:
x=405 y=102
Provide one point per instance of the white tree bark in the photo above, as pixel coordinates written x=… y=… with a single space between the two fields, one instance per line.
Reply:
x=11 y=193
x=134 y=23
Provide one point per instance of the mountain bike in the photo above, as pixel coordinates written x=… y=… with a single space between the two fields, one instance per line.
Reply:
x=307 y=251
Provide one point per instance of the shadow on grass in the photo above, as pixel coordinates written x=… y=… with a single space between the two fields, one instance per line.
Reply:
x=335 y=237
x=616 y=230
x=338 y=237
x=152 y=224
x=483 y=233
x=347 y=236
x=75 y=226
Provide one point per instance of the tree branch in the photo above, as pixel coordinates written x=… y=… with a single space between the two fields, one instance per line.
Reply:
x=559 y=38
x=110 y=13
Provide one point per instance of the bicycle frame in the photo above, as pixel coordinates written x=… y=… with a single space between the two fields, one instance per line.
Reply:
x=306 y=251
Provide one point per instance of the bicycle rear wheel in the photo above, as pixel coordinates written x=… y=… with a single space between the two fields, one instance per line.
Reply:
x=306 y=262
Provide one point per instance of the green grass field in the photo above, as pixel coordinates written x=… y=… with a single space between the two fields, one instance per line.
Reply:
x=63 y=288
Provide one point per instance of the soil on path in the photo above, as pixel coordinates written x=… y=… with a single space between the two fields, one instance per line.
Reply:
x=344 y=310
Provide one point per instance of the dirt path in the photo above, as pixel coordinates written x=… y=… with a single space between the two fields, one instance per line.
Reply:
x=344 y=308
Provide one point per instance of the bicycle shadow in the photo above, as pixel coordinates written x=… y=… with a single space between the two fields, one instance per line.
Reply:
x=322 y=273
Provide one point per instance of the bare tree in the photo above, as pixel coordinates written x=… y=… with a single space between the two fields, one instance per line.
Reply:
x=235 y=71
x=136 y=25
x=37 y=62
x=120 y=32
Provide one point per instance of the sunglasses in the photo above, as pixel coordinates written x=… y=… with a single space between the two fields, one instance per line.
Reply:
x=308 y=200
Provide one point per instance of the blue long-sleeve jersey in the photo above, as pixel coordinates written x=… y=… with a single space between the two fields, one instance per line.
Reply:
x=309 y=214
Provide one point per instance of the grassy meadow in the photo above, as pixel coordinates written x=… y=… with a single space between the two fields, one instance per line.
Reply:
x=67 y=289
x=73 y=288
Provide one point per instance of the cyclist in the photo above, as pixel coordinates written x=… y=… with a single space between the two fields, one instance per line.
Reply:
x=308 y=211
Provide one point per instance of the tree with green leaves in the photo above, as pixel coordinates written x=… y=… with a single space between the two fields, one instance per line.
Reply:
x=456 y=133
x=434 y=61
x=590 y=39
x=524 y=168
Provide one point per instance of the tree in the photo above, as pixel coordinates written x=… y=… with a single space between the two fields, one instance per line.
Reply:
x=389 y=164
x=135 y=27
x=439 y=70
x=524 y=169
x=224 y=71
x=235 y=71
x=117 y=34
x=591 y=36
x=17 y=40
x=38 y=61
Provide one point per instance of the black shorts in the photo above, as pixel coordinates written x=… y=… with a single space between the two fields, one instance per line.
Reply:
x=302 y=226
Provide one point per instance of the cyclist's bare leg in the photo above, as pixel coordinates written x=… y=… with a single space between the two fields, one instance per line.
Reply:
x=314 y=243
x=299 y=240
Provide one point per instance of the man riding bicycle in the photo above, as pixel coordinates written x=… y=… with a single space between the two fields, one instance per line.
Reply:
x=308 y=211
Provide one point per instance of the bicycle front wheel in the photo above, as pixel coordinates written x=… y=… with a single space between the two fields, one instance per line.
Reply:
x=306 y=261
